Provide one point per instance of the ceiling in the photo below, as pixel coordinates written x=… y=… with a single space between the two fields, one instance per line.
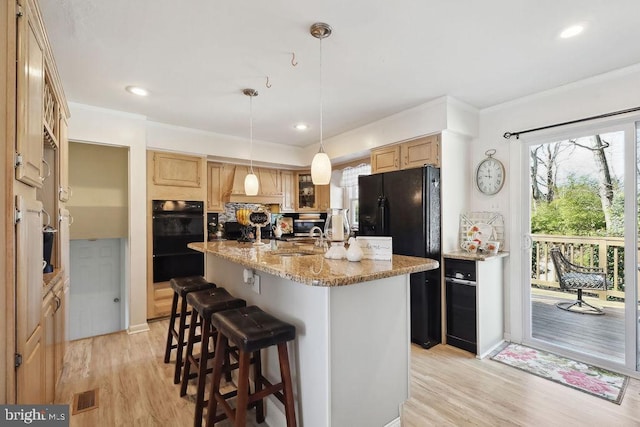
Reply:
x=196 y=56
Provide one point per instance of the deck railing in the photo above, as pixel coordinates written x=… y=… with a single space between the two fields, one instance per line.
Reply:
x=603 y=252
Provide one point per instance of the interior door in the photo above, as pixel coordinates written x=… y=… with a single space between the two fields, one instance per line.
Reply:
x=95 y=288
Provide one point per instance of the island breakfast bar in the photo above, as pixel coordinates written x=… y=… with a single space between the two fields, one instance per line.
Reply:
x=350 y=360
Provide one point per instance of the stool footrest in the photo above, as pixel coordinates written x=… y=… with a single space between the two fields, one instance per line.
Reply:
x=275 y=389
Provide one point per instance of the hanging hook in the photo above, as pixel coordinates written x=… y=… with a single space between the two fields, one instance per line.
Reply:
x=293 y=59
x=267 y=84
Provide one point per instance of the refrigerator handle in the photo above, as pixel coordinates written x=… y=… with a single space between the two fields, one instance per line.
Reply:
x=382 y=216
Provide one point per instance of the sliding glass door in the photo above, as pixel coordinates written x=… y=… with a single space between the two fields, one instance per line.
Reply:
x=581 y=272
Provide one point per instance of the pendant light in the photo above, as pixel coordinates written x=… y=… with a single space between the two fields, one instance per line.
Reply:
x=251 y=180
x=321 y=165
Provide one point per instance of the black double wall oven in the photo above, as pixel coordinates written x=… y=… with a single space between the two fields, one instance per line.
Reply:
x=175 y=224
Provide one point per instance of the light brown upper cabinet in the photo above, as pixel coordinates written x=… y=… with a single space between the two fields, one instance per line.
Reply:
x=64 y=191
x=288 y=191
x=419 y=152
x=30 y=98
x=310 y=197
x=215 y=202
x=176 y=170
x=407 y=155
x=385 y=159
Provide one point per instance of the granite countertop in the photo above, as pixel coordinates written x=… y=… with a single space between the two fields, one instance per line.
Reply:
x=312 y=268
x=459 y=254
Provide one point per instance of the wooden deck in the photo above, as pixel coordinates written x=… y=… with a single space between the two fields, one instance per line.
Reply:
x=599 y=335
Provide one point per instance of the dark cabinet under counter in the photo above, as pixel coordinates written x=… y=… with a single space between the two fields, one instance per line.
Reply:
x=474 y=297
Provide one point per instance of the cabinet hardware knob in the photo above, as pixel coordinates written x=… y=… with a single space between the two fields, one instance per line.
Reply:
x=116 y=299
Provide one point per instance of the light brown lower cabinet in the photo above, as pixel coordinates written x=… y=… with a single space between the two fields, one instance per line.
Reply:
x=53 y=326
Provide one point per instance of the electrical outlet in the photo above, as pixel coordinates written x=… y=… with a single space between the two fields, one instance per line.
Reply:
x=255 y=286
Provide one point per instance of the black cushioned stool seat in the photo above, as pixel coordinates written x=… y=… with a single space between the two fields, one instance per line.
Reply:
x=181 y=287
x=250 y=329
x=204 y=303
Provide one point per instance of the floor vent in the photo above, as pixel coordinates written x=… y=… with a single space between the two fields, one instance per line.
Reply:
x=85 y=401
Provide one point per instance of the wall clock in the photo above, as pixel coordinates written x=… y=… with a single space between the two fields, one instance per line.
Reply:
x=490 y=174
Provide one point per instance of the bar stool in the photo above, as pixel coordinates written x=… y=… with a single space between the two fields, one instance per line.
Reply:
x=203 y=305
x=181 y=287
x=251 y=329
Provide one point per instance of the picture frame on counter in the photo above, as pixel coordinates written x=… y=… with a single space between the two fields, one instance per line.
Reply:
x=376 y=247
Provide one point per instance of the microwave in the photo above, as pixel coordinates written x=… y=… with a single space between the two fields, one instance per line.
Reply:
x=303 y=223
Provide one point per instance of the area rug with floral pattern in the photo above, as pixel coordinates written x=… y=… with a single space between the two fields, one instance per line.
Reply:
x=589 y=379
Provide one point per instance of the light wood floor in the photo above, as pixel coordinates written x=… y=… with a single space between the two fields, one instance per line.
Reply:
x=449 y=387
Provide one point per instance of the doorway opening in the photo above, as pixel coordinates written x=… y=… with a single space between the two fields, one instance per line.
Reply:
x=98 y=175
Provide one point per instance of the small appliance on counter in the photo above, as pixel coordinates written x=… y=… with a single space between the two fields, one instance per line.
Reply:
x=234 y=231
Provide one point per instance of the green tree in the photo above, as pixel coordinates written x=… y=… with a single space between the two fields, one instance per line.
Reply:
x=576 y=210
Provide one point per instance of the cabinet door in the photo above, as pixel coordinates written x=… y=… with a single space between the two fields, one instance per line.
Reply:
x=30 y=95
x=214 y=187
x=176 y=170
x=29 y=332
x=305 y=192
x=49 y=307
x=323 y=196
x=288 y=191
x=385 y=159
x=60 y=336
x=421 y=152
x=64 y=192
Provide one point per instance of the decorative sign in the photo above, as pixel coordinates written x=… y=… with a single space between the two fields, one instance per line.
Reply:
x=380 y=248
x=259 y=218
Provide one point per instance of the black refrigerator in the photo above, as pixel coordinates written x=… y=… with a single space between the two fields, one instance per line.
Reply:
x=406 y=206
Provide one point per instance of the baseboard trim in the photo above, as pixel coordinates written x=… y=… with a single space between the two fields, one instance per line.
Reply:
x=394 y=423
x=136 y=329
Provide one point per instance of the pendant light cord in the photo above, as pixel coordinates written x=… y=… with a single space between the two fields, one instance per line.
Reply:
x=251 y=132
x=321 y=144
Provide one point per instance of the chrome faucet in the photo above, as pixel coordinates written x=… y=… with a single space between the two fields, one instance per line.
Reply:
x=320 y=242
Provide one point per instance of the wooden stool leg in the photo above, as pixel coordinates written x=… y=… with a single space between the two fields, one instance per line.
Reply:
x=172 y=325
x=257 y=380
x=214 y=390
x=285 y=372
x=183 y=323
x=187 y=358
x=202 y=371
x=243 y=389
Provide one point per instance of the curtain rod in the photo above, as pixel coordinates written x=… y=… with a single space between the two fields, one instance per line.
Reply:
x=508 y=135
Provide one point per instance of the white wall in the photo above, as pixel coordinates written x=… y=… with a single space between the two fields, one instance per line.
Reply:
x=610 y=92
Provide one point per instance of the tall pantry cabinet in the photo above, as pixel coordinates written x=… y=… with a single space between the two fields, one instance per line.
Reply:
x=35 y=171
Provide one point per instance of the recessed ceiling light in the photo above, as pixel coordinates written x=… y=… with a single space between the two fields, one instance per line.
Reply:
x=571 y=31
x=137 y=90
x=301 y=126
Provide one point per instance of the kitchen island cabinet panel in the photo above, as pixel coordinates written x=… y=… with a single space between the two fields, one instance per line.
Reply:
x=350 y=358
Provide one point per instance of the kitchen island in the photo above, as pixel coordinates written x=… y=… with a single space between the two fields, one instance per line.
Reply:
x=350 y=359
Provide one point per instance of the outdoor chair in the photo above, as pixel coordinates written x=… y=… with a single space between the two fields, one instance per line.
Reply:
x=576 y=277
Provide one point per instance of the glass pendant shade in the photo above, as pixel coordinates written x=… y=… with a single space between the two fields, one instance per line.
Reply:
x=321 y=169
x=251 y=184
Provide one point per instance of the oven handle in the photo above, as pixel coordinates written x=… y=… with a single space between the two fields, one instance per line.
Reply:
x=460 y=281
x=177 y=216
